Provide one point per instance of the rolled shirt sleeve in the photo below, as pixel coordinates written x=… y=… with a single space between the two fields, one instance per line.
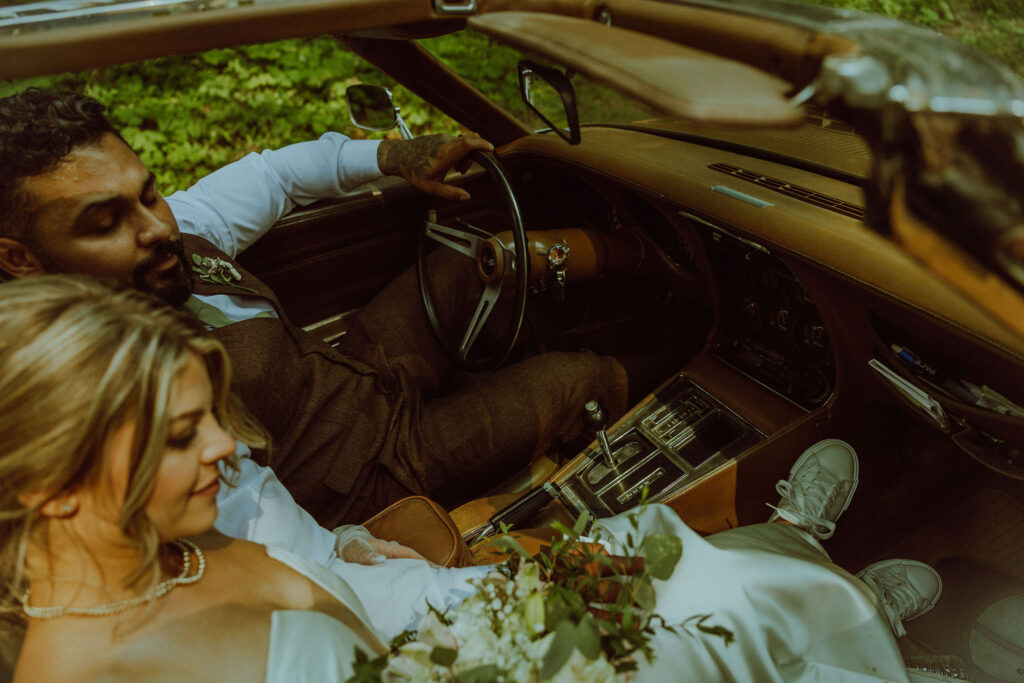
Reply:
x=235 y=205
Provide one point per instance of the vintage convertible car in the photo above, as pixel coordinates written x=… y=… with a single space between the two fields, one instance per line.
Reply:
x=817 y=210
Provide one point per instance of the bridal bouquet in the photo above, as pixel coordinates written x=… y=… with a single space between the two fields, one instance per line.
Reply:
x=570 y=613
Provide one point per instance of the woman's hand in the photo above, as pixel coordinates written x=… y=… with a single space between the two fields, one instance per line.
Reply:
x=392 y=549
x=355 y=544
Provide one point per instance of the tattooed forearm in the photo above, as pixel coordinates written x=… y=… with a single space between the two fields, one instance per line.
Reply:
x=425 y=161
x=410 y=158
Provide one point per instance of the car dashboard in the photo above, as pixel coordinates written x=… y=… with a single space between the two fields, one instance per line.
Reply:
x=806 y=303
x=783 y=300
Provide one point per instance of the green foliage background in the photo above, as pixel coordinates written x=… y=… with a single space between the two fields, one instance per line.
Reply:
x=187 y=116
x=995 y=26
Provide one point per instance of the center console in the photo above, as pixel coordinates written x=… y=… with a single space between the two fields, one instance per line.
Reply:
x=678 y=436
x=769 y=328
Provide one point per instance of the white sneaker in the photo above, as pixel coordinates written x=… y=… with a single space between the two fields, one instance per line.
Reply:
x=905 y=588
x=820 y=486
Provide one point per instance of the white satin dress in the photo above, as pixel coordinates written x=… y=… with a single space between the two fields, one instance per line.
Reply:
x=795 y=615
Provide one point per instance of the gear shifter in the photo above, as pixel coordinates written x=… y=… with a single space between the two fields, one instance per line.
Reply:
x=595 y=422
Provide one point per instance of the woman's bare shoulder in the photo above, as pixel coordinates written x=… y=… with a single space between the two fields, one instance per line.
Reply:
x=170 y=639
x=61 y=651
x=217 y=643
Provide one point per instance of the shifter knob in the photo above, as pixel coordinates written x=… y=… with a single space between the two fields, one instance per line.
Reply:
x=594 y=421
x=594 y=418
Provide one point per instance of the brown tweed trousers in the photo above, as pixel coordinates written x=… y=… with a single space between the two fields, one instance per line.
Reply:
x=358 y=427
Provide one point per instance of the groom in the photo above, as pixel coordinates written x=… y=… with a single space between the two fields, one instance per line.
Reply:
x=354 y=428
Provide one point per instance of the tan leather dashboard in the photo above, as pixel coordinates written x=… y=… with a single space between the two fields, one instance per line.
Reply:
x=679 y=173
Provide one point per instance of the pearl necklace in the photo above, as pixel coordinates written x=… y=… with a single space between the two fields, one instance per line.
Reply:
x=159 y=590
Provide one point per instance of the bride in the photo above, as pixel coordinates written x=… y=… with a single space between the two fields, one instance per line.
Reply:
x=115 y=418
x=115 y=413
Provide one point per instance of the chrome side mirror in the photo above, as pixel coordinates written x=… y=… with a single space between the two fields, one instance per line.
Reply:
x=550 y=95
x=370 y=107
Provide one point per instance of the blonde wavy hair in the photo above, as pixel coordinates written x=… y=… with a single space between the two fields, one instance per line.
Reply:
x=78 y=359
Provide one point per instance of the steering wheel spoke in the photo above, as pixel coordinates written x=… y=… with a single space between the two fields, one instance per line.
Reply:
x=464 y=242
x=480 y=316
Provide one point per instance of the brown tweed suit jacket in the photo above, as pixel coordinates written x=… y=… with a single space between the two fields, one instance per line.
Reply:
x=328 y=419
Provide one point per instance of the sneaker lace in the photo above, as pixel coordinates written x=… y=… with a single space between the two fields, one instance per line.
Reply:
x=806 y=500
x=899 y=599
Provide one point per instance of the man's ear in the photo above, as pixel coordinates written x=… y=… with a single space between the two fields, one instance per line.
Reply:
x=17 y=260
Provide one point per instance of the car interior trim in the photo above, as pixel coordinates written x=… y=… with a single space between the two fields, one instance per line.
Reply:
x=741 y=196
x=789 y=189
x=791 y=52
x=667 y=76
x=75 y=48
x=745 y=149
x=461 y=7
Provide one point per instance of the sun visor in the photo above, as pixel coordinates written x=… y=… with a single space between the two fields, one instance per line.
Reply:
x=677 y=80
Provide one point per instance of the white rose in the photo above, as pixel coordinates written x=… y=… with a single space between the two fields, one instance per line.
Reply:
x=477 y=649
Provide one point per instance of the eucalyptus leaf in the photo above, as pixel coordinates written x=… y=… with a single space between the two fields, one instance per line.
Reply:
x=366 y=670
x=581 y=523
x=661 y=554
x=511 y=545
x=443 y=656
x=561 y=528
x=486 y=673
x=560 y=650
x=644 y=595
x=588 y=640
x=556 y=610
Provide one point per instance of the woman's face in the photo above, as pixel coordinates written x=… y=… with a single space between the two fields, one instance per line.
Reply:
x=184 y=499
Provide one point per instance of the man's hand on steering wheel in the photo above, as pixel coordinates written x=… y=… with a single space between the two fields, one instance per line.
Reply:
x=494 y=264
x=426 y=160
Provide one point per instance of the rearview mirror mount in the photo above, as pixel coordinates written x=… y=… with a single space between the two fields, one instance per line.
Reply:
x=371 y=107
x=549 y=94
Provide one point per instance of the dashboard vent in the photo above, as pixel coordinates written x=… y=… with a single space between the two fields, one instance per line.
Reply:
x=801 y=193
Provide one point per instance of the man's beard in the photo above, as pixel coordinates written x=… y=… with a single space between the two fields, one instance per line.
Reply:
x=173 y=286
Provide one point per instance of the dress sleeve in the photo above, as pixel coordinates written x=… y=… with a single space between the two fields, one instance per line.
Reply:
x=235 y=205
x=260 y=509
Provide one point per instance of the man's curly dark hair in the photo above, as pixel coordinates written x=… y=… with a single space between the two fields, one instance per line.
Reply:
x=38 y=128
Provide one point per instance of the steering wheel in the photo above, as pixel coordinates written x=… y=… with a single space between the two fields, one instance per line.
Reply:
x=495 y=265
